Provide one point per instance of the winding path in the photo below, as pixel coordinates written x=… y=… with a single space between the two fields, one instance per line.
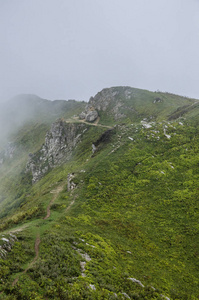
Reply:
x=37 y=242
x=56 y=193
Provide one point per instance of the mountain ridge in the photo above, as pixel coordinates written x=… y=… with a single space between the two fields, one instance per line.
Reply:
x=124 y=222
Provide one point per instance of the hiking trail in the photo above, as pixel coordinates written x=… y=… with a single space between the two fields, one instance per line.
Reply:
x=56 y=193
x=37 y=242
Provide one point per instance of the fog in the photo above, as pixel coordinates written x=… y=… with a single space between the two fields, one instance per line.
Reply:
x=16 y=112
x=27 y=109
x=72 y=49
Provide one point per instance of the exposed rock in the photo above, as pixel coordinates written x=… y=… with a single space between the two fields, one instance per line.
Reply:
x=4 y=239
x=59 y=144
x=91 y=116
x=82 y=116
x=103 y=99
x=70 y=184
x=167 y=135
x=82 y=265
x=86 y=258
x=116 y=111
x=142 y=285
x=145 y=124
x=6 y=244
x=157 y=100
x=136 y=281
x=90 y=245
x=125 y=295
x=92 y=287
x=165 y=297
x=94 y=148
x=128 y=93
x=110 y=100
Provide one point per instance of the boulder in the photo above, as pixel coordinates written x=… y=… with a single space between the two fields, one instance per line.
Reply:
x=82 y=116
x=91 y=116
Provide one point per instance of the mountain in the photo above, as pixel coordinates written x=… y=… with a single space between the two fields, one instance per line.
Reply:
x=31 y=108
x=99 y=200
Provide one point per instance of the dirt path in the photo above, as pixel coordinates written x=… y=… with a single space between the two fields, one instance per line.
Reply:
x=95 y=124
x=37 y=242
x=56 y=193
x=77 y=120
x=15 y=229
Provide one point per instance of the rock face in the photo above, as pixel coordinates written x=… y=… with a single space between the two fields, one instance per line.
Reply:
x=110 y=100
x=59 y=144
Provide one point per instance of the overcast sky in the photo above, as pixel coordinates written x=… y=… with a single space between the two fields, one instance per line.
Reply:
x=71 y=49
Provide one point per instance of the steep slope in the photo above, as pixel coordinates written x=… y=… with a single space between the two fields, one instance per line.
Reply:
x=59 y=144
x=24 y=122
x=123 y=203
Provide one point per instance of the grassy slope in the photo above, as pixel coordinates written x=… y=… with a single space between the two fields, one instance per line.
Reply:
x=28 y=138
x=145 y=104
x=135 y=213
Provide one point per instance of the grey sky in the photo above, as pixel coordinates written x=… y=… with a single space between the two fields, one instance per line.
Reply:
x=71 y=49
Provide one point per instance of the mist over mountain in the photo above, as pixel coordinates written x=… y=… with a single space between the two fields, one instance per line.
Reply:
x=30 y=108
x=99 y=200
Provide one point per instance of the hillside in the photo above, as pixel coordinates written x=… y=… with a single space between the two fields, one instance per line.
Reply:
x=99 y=200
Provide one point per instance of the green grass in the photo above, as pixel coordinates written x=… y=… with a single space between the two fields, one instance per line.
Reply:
x=143 y=104
x=135 y=213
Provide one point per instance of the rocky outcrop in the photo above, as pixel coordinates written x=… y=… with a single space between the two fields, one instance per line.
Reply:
x=59 y=144
x=110 y=100
x=6 y=243
x=89 y=115
x=70 y=184
x=94 y=148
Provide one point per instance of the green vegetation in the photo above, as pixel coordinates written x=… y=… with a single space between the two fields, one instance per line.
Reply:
x=129 y=228
x=135 y=105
